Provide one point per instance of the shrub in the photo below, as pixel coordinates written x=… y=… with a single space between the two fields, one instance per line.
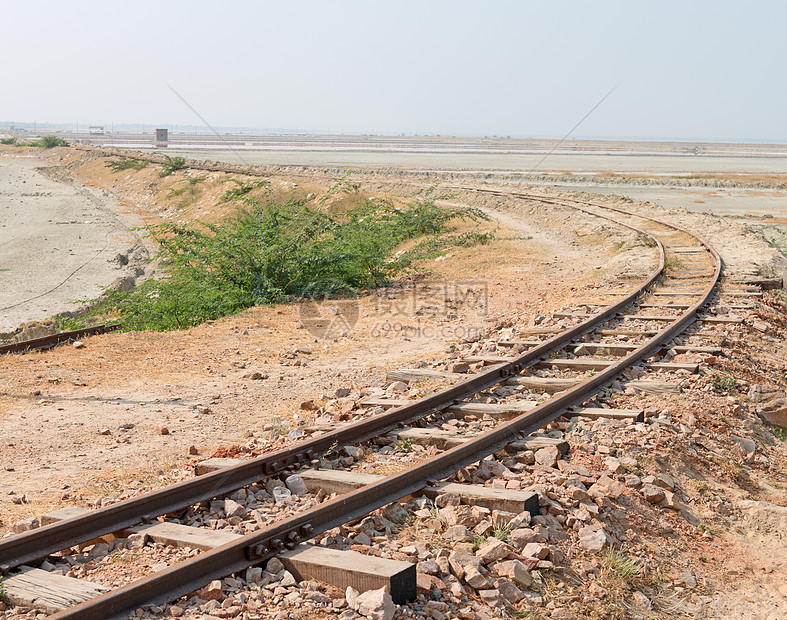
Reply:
x=172 y=164
x=127 y=163
x=48 y=142
x=8 y=141
x=270 y=252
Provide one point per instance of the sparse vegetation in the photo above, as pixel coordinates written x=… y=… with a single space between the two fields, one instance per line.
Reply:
x=722 y=382
x=48 y=142
x=127 y=163
x=242 y=189
x=644 y=240
x=780 y=432
x=271 y=252
x=188 y=192
x=8 y=141
x=405 y=445
x=672 y=263
x=172 y=164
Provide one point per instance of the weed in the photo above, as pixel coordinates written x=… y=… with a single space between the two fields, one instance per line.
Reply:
x=270 y=252
x=722 y=382
x=622 y=566
x=780 y=432
x=188 y=191
x=330 y=449
x=127 y=163
x=706 y=528
x=172 y=164
x=10 y=141
x=703 y=559
x=672 y=263
x=644 y=240
x=243 y=188
x=502 y=532
x=478 y=541
x=701 y=485
x=405 y=445
x=48 y=142
x=591 y=373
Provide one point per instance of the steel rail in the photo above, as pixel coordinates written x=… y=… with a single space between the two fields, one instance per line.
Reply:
x=34 y=544
x=46 y=342
x=181 y=579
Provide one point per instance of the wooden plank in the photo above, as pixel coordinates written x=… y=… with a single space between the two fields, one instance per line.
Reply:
x=741 y=294
x=343 y=569
x=488 y=359
x=496 y=410
x=593 y=364
x=336 y=481
x=543 y=384
x=673 y=306
x=385 y=402
x=637 y=415
x=421 y=374
x=722 y=319
x=509 y=500
x=48 y=592
x=536 y=443
x=61 y=514
x=766 y=284
x=442 y=439
x=655 y=388
x=177 y=535
x=209 y=465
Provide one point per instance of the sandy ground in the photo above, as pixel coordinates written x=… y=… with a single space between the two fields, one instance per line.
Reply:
x=58 y=243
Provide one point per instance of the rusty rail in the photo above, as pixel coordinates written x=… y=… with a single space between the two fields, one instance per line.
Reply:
x=47 y=342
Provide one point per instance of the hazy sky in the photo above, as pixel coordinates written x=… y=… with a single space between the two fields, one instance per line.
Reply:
x=703 y=70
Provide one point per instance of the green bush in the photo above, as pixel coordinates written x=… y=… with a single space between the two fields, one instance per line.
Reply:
x=270 y=252
x=127 y=163
x=172 y=164
x=9 y=141
x=48 y=142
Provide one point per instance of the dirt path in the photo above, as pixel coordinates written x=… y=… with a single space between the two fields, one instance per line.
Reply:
x=58 y=243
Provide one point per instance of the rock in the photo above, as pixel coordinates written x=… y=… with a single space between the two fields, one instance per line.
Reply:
x=397 y=386
x=664 y=481
x=342 y=392
x=508 y=590
x=492 y=469
x=652 y=493
x=353 y=451
x=274 y=566
x=447 y=499
x=428 y=567
x=459 y=367
x=593 y=538
x=688 y=580
x=758 y=325
x=362 y=539
x=670 y=501
x=642 y=601
x=491 y=598
x=296 y=484
x=307 y=405
x=193 y=450
x=105 y=431
x=774 y=412
x=515 y=571
x=137 y=541
x=351 y=596
x=78 y=344
x=253 y=574
x=287 y=579
x=162 y=430
x=460 y=515
x=547 y=456
x=458 y=533
x=25 y=525
x=234 y=509
x=493 y=549
x=522 y=536
x=614 y=465
x=212 y=592
x=607 y=487
x=762 y=393
x=423 y=583
x=633 y=481
x=561 y=613
x=176 y=611
x=535 y=550
x=747 y=445
x=376 y=604
x=475 y=579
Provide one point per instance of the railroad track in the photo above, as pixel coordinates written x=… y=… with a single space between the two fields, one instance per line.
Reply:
x=692 y=281
x=47 y=342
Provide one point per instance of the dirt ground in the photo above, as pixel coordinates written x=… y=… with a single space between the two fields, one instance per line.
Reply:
x=131 y=411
